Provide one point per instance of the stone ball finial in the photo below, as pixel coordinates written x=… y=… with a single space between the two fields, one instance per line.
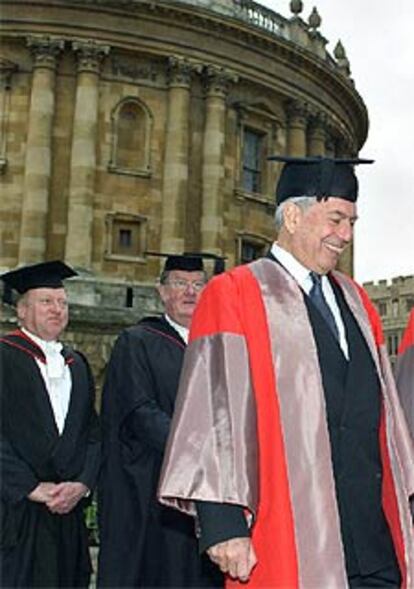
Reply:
x=296 y=6
x=339 y=51
x=314 y=19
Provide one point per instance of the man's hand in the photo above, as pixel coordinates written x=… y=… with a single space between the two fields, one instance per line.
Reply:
x=66 y=496
x=42 y=493
x=235 y=557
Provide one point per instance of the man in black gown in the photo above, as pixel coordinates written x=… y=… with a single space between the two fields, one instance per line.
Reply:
x=143 y=544
x=49 y=445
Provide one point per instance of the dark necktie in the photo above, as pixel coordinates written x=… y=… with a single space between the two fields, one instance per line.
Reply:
x=318 y=299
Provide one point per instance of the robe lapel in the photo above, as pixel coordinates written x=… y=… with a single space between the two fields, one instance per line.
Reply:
x=302 y=404
x=355 y=304
x=19 y=340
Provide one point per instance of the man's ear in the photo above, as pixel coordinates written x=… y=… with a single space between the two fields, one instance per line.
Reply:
x=291 y=217
x=161 y=291
x=21 y=309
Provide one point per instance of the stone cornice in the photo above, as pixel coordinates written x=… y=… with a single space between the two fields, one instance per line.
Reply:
x=338 y=90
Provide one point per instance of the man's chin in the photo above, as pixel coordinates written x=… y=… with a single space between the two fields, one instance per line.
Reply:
x=54 y=333
x=328 y=266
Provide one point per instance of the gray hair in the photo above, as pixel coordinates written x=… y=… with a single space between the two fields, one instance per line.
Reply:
x=303 y=202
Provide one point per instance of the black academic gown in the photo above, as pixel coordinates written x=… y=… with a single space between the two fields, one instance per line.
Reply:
x=143 y=544
x=38 y=548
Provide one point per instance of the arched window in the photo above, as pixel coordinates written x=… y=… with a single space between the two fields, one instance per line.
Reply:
x=131 y=138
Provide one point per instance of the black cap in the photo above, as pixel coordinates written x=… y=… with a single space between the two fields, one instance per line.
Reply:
x=219 y=261
x=317 y=176
x=183 y=262
x=44 y=275
x=190 y=261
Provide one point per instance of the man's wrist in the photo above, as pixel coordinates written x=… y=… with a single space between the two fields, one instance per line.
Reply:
x=220 y=522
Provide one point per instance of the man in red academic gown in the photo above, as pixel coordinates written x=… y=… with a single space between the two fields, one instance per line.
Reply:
x=404 y=372
x=288 y=441
x=50 y=443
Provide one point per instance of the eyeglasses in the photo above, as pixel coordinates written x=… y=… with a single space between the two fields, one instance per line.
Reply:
x=49 y=302
x=182 y=285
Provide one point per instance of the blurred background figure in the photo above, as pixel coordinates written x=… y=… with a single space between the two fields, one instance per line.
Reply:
x=143 y=544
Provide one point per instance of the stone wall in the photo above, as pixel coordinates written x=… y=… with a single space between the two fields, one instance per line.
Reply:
x=394 y=300
x=198 y=74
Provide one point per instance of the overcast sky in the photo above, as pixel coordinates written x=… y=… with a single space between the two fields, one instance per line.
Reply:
x=378 y=37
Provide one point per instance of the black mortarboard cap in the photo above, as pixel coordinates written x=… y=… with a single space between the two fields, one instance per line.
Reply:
x=183 y=262
x=317 y=176
x=190 y=261
x=219 y=261
x=43 y=275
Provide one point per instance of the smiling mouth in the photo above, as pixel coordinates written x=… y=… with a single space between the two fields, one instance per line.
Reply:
x=334 y=248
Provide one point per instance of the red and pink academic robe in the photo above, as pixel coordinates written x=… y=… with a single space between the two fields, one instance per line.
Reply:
x=250 y=427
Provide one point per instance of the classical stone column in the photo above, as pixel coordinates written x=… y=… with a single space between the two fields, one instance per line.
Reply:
x=297 y=115
x=175 y=179
x=78 y=250
x=317 y=135
x=217 y=84
x=37 y=170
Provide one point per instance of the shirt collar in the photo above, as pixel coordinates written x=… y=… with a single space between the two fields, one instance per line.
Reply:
x=182 y=331
x=44 y=345
x=299 y=272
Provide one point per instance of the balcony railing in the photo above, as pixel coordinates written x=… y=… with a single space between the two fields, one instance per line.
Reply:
x=260 y=16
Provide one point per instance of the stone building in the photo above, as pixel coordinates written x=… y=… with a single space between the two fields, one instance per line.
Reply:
x=129 y=126
x=394 y=300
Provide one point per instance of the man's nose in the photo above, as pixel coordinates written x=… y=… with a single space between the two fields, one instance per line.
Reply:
x=189 y=287
x=346 y=231
x=57 y=307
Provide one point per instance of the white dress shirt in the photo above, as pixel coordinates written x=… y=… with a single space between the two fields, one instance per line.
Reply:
x=56 y=375
x=303 y=278
x=182 y=331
